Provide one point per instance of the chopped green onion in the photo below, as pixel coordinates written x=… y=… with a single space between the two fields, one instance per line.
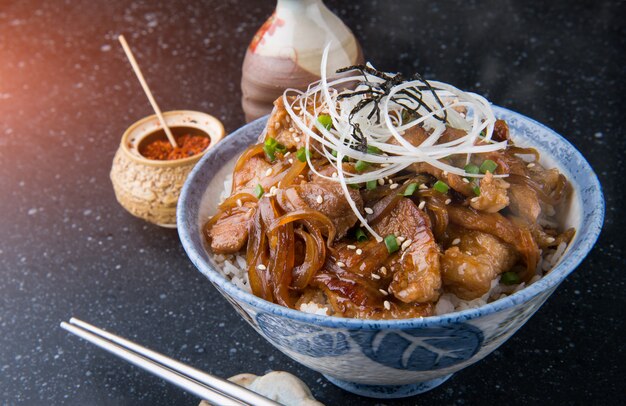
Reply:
x=325 y=121
x=410 y=189
x=373 y=150
x=510 y=278
x=360 y=235
x=471 y=168
x=476 y=190
x=354 y=185
x=302 y=154
x=392 y=243
x=488 y=166
x=258 y=191
x=361 y=166
x=270 y=146
x=271 y=142
x=441 y=187
x=269 y=151
x=371 y=184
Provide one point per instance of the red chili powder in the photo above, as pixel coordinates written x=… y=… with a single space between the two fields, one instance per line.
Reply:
x=162 y=150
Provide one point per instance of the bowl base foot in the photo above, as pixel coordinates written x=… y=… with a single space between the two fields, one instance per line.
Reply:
x=388 y=391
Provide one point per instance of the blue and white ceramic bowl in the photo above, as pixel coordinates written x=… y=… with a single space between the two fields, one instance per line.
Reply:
x=393 y=358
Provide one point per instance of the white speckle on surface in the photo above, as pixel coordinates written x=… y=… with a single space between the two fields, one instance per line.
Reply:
x=105 y=48
x=86 y=212
x=32 y=212
x=598 y=135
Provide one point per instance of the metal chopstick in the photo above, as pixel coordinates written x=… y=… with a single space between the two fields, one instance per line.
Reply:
x=209 y=387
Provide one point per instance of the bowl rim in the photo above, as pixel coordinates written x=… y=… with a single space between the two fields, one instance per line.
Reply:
x=568 y=263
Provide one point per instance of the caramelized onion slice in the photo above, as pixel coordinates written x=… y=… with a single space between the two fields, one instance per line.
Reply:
x=313 y=261
x=232 y=201
x=310 y=215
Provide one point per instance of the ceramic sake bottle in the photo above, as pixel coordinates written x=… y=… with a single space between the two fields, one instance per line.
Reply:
x=286 y=52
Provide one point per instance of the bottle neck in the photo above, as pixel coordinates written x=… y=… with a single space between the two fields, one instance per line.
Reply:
x=296 y=5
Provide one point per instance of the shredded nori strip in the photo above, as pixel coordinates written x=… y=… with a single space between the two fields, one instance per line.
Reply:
x=375 y=92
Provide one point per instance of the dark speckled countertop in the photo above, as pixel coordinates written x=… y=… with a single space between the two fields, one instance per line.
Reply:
x=68 y=249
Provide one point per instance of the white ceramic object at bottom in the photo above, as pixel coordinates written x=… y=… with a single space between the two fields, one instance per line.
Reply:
x=394 y=358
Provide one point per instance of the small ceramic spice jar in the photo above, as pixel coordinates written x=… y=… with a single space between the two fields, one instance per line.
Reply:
x=149 y=188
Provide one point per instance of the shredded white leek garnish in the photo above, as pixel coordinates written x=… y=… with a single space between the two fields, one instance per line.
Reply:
x=478 y=122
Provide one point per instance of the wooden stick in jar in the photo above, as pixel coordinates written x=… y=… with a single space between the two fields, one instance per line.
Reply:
x=142 y=80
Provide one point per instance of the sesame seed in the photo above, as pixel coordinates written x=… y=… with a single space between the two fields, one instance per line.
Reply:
x=456 y=241
x=334 y=175
x=296 y=139
x=375 y=276
x=387 y=305
x=340 y=264
x=383 y=291
x=381 y=182
x=351 y=247
x=292 y=130
x=465 y=180
x=400 y=239
x=239 y=203
x=393 y=186
x=269 y=171
x=277 y=125
x=422 y=205
x=390 y=181
x=287 y=154
x=422 y=186
x=320 y=199
x=530 y=165
x=384 y=165
x=261 y=267
x=290 y=161
x=474 y=199
x=406 y=244
x=359 y=251
x=550 y=240
x=383 y=270
x=273 y=190
x=445 y=173
x=448 y=201
x=369 y=211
